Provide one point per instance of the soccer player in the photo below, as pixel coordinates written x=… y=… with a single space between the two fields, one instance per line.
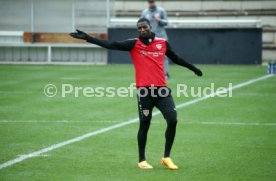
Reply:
x=157 y=17
x=147 y=53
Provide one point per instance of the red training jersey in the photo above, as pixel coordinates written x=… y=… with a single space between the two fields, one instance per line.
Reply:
x=148 y=62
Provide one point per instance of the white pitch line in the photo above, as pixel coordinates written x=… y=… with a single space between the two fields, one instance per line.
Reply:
x=94 y=133
x=153 y=122
x=232 y=123
x=35 y=121
x=226 y=90
x=41 y=155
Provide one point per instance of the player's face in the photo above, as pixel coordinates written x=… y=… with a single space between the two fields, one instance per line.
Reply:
x=152 y=5
x=143 y=29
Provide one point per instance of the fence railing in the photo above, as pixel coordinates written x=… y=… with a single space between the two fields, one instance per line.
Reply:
x=52 y=53
x=128 y=22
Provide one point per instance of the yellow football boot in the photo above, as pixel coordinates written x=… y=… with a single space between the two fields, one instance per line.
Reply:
x=144 y=165
x=169 y=163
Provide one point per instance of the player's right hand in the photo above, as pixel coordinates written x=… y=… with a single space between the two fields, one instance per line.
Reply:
x=79 y=35
x=198 y=72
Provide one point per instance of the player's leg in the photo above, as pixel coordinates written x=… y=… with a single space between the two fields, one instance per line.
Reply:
x=167 y=107
x=142 y=134
x=145 y=106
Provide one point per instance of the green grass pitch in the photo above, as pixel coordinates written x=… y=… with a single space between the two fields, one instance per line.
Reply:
x=231 y=148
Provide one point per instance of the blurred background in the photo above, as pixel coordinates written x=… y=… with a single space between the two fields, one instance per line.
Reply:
x=205 y=32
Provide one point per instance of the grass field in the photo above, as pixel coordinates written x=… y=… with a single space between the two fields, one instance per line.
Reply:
x=231 y=138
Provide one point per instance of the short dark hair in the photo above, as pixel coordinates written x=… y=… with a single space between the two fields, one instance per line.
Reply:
x=143 y=20
x=151 y=1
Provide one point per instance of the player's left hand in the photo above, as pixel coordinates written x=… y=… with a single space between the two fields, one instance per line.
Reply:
x=79 y=35
x=198 y=72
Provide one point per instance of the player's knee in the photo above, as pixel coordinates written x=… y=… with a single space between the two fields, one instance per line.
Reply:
x=171 y=117
x=144 y=124
x=145 y=119
x=145 y=116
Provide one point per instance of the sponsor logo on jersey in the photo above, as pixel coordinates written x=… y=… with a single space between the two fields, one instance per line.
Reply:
x=155 y=54
x=159 y=46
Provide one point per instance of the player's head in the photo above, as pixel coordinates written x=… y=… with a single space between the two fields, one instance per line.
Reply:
x=152 y=4
x=143 y=27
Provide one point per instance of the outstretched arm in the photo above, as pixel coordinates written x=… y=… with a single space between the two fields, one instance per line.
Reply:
x=179 y=61
x=126 y=45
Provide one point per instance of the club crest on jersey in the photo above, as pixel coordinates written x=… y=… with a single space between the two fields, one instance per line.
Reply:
x=146 y=112
x=158 y=46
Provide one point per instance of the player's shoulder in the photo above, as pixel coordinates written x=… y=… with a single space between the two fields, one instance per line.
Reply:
x=160 y=39
x=145 y=11
x=131 y=40
x=159 y=8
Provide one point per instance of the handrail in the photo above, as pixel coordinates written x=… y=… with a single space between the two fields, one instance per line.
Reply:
x=197 y=22
x=49 y=46
x=65 y=45
x=11 y=33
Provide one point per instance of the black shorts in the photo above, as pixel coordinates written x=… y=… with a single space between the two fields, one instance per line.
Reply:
x=149 y=97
